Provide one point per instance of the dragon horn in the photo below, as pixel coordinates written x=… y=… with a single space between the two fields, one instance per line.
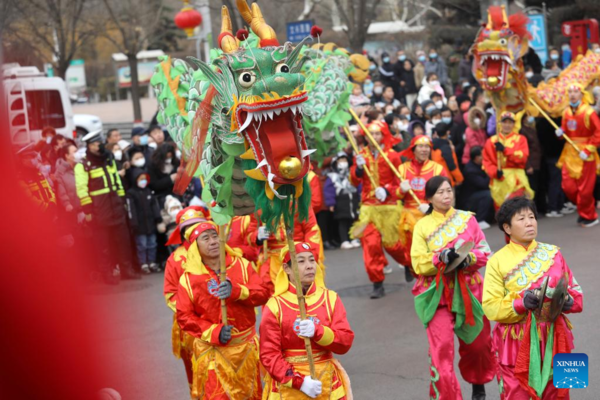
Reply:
x=245 y=11
x=259 y=27
x=226 y=40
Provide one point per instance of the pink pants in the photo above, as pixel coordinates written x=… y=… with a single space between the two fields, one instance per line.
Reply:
x=510 y=389
x=477 y=361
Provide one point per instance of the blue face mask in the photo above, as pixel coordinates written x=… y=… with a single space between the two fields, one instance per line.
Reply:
x=402 y=58
x=446 y=120
x=144 y=140
x=372 y=67
x=422 y=58
x=386 y=59
x=530 y=119
x=407 y=117
x=429 y=110
x=576 y=104
x=433 y=55
x=554 y=56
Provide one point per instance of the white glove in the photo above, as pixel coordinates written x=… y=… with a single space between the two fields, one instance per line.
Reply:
x=311 y=387
x=424 y=207
x=307 y=328
x=583 y=155
x=80 y=217
x=360 y=161
x=405 y=186
x=263 y=233
x=381 y=194
x=559 y=132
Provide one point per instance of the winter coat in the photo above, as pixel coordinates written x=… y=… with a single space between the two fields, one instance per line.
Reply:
x=473 y=137
x=535 y=149
x=427 y=89
x=66 y=191
x=160 y=181
x=144 y=212
x=475 y=180
x=340 y=194
x=439 y=68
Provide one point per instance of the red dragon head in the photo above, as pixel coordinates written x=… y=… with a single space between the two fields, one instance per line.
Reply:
x=498 y=49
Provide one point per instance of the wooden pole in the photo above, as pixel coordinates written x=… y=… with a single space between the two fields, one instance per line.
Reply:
x=223 y=233
x=380 y=150
x=568 y=139
x=355 y=148
x=289 y=233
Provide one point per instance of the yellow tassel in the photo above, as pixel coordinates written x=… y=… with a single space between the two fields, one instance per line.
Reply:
x=176 y=338
x=385 y=218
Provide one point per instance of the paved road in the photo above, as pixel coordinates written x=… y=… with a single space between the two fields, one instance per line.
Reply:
x=389 y=356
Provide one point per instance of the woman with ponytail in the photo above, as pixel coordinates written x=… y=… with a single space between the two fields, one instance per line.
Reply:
x=451 y=301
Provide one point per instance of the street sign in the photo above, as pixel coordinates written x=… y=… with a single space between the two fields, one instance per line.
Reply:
x=298 y=30
x=537 y=29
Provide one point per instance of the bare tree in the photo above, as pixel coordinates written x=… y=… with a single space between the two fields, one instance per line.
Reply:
x=54 y=27
x=357 y=15
x=132 y=24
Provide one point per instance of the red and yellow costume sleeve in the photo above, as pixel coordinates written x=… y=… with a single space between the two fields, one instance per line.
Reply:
x=515 y=155
x=381 y=173
x=238 y=237
x=173 y=272
x=417 y=174
x=583 y=127
x=316 y=194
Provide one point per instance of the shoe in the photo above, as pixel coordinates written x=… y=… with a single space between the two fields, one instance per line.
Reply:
x=554 y=214
x=355 y=243
x=146 y=269
x=154 y=267
x=408 y=275
x=478 y=392
x=328 y=246
x=346 y=245
x=484 y=225
x=588 y=223
x=568 y=208
x=378 y=290
x=388 y=269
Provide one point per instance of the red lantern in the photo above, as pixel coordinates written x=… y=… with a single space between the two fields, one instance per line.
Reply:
x=188 y=19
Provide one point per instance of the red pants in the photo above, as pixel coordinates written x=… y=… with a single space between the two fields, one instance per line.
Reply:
x=581 y=191
x=477 y=362
x=510 y=389
x=374 y=256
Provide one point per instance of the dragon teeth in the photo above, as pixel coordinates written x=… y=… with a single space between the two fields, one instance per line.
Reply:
x=263 y=163
x=277 y=111
x=270 y=114
x=249 y=118
x=306 y=153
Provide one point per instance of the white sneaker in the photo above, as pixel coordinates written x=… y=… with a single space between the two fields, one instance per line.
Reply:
x=355 y=243
x=589 y=223
x=146 y=269
x=401 y=266
x=484 y=225
x=554 y=214
x=388 y=270
x=346 y=245
x=568 y=208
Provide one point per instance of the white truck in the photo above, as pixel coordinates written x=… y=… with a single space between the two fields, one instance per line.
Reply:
x=35 y=101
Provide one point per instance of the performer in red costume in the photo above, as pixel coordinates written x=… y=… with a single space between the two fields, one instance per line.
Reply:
x=415 y=173
x=379 y=213
x=238 y=237
x=582 y=124
x=282 y=350
x=181 y=341
x=225 y=356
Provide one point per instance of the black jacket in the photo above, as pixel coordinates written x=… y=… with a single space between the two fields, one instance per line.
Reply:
x=160 y=182
x=144 y=212
x=475 y=180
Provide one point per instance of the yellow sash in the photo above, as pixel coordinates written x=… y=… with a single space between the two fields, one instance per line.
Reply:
x=449 y=230
x=531 y=268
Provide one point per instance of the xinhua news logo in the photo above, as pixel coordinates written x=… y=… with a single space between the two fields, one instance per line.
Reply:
x=571 y=371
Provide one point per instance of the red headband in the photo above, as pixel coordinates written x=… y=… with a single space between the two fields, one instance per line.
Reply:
x=200 y=228
x=301 y=247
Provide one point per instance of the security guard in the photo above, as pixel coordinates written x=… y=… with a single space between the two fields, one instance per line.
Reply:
x=101 y=195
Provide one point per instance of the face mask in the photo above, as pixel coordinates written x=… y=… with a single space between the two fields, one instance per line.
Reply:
x=152 y=145
x=143 y=183
x=342 y=166
x=118 y=155
x=434 y=83
x=597 y=51
x=401 y=58
x=139 y=163
x=530 y=119
x=439 y=104
x=178 y=154
x=402 y=126
x=528 y=74
x=436 y=121
x=446 y=120
x=554 y=56
x=378 y=90
x=144 y=140
x=407 y=116
x=422 y=58
x=386 y=59
x=429 y=110
x=48 y=139
x=477 y=121
x=372 y=67
x=78 y=157
x=433 y=56
x=174 y=211
x=465 y=85
x=168 y=160
x=576 y=104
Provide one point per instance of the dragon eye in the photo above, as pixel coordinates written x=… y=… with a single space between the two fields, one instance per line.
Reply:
x=282 y=68
x=503 y=42
x=247 y=79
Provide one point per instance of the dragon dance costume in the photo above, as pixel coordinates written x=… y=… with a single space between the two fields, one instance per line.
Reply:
x=220 y=371
x=452 y=302
x=282 y=351
x=582 y=125
x=527 y=341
